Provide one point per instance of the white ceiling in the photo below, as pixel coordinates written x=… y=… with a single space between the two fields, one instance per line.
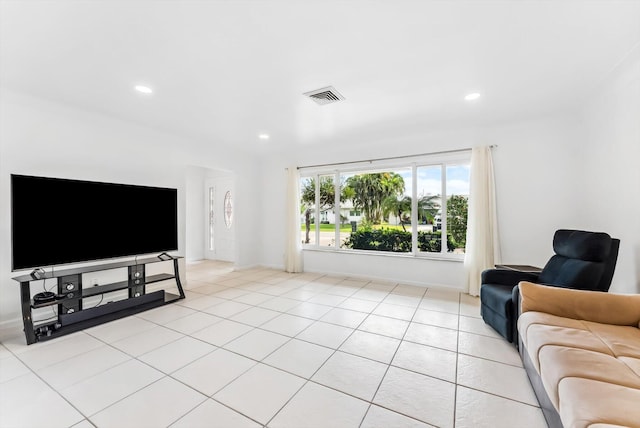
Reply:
x=226 y=71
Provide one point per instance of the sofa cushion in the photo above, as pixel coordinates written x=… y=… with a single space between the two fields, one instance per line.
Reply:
x=562 y=362
x=606 y=426
x=587 y=402
x=540 y=318
x=538 y=330
x=632 y=363
x=584 y=349
x=622 y=340
x=582 y=304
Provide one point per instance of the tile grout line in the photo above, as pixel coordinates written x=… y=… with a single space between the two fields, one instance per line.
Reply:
x=455 y=377
x=257 y=362
x=55 y=390
x=316 y=371
x=393 y=356
x=459 y=314
x=164 y=375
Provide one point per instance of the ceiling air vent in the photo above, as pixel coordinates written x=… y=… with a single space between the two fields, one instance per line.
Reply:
x=324 y=96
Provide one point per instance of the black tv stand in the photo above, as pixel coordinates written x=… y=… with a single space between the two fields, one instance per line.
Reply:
x=72 y=317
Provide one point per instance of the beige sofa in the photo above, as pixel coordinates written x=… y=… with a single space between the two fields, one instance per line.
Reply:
x=581 y=350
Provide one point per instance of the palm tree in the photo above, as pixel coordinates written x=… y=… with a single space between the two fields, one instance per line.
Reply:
x=397 y=206
x=370 y=190
x=428 y=207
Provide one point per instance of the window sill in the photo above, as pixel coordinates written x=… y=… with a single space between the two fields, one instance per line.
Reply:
x=419 y=256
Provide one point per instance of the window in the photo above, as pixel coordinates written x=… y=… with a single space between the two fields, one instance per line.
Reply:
x=457 y=191
x=212 y=222
x=228 y=210
x=318 y=202
x=429 y=206
x=382 y=197
x=307 y=208
x=399 y=208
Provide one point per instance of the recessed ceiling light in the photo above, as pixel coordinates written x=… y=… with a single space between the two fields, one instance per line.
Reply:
x=472 y=96
x=143 y=89
x=263 y=136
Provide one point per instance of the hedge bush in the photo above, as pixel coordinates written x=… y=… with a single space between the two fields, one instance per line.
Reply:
x=394 y=240
x=382 y=239
x=432 y=242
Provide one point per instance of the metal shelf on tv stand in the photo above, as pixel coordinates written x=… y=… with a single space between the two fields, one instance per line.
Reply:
x=71 y=316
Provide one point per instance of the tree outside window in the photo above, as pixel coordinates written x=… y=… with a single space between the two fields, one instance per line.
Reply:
x=375 y=209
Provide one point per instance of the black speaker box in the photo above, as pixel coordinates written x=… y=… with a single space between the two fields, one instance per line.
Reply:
x=136 y=272
x=70 y=287
x=70 y=307
x=70 y=284
x=136 y=281
x=136 y=291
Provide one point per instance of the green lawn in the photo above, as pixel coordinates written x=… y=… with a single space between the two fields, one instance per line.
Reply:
x=347 y=228
x=328 y=227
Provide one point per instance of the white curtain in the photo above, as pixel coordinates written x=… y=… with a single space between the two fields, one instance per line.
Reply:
x=293 y=246
x=483 y=247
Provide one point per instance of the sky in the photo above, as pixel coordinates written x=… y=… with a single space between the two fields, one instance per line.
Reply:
x=429 y=180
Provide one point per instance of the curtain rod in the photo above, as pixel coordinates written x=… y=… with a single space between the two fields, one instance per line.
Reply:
x=390 y=158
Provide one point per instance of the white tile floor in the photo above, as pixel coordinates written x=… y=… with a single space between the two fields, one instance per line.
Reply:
x=262 y=348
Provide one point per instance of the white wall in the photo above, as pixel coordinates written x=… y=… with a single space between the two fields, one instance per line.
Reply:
x=197 y=181
x=39 y=137
x=611 y=124
x=538 y=184
x=535 y=167
x=194 y=211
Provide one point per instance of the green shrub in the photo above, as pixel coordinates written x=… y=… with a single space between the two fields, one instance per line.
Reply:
x=393 y=240
x=432 y=242
x=383 y=239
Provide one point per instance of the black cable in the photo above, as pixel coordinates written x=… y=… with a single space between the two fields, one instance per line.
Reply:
x=52 y=276
x=100 y=302
x=47 y=319
x=44 y=287
x=44 y=281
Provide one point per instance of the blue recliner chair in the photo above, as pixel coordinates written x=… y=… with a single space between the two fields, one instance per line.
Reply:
x=582 y=260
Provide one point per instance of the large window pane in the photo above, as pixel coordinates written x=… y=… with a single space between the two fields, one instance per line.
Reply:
x=308 y=210
x=428 y=192
x=350 y=215
x=326 y=205
x=457 y=206
x=375 y=210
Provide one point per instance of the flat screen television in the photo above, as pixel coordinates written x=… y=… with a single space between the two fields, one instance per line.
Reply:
x=57 y=221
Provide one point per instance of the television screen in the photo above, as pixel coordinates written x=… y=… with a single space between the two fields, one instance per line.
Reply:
x=56 y=221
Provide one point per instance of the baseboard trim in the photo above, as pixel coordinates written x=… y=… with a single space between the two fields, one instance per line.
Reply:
x=359 y=276
x=391 y=280
x=10 y=328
